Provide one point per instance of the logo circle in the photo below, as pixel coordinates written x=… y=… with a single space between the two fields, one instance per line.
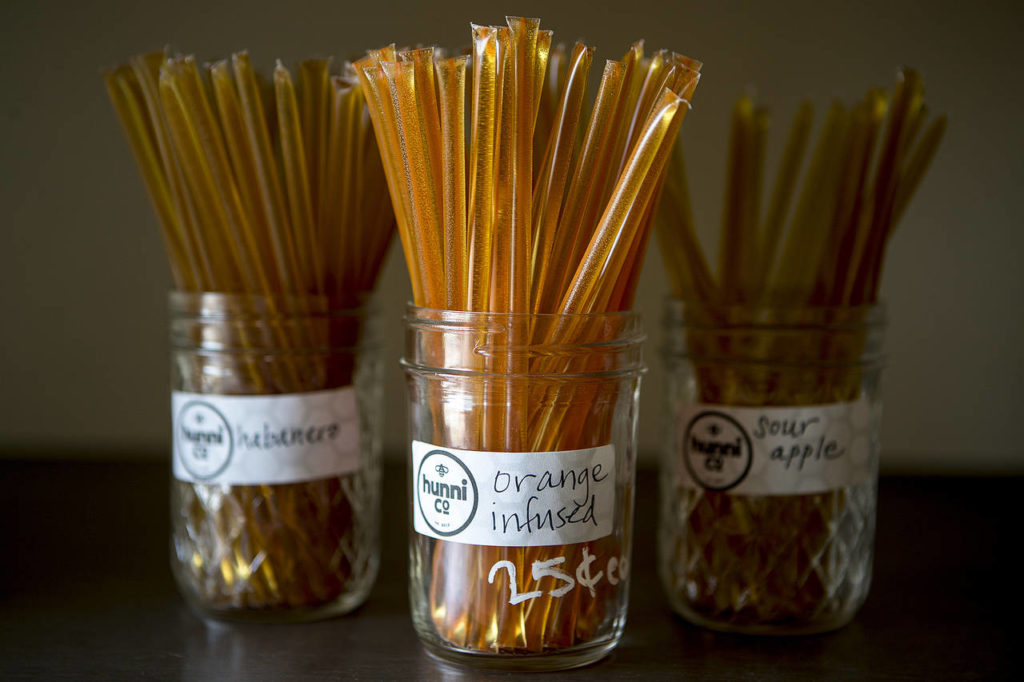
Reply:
x=717 y=451
x=447 y=495
x=203 y=439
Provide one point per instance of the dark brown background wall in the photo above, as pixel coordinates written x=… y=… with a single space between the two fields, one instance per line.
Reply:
x=83 y=368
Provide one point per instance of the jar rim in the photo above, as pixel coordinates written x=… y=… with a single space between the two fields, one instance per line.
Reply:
x=636 y=370
x=774 y=316
x=219 y=322
x=524 y=345
x=413 y=311
x=216 y=305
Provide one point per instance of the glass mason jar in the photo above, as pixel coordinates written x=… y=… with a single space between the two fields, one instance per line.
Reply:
x=770 y=465
x=276 y=449
x=523 y=446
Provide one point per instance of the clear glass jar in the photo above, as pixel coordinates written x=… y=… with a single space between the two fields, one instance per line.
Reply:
x=770 y=465
x=523 y=431
x=275 y=501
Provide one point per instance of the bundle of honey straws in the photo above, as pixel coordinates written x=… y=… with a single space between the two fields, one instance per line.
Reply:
x=771 y=452
x=524 y=252
x=275 y=216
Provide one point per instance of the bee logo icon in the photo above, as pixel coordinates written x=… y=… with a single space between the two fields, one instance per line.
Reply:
x=441 y=470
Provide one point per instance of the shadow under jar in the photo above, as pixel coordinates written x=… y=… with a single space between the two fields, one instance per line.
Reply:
x=770 y=465
x=523 y=447
x=276 y=451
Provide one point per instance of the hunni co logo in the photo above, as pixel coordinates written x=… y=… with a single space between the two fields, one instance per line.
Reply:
x=447 y=493
x=717 y=450
x=204 y=440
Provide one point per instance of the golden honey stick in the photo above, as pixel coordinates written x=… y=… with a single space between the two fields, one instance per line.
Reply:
x=681 y=78
x=570 y=229
x=553 y=174
x=147 y=157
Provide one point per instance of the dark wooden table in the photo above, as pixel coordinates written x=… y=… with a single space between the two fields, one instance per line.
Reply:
x=86 y=593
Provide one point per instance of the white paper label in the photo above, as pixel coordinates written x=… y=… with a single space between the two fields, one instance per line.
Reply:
x=778 y=450
x=513 y=499
x=263 y=439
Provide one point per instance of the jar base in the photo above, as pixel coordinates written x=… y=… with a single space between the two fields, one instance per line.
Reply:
x=562 y=659
x=306 y=614
x=790 y=629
